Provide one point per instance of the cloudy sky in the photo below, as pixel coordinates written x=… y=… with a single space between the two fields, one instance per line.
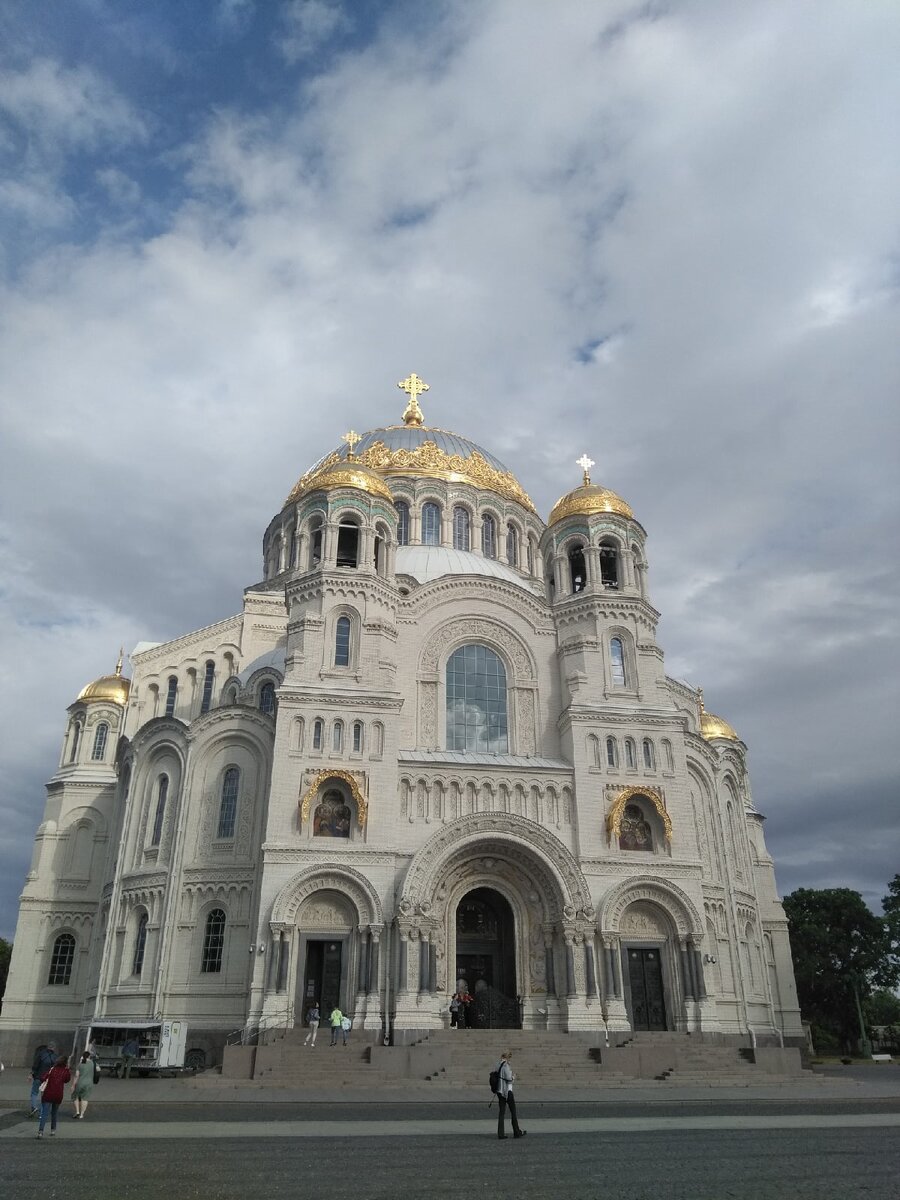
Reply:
x=662 y=233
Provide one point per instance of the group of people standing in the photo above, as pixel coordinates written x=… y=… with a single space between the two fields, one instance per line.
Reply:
x=50 y=1072
x=462 y=1010
x=339 y=1022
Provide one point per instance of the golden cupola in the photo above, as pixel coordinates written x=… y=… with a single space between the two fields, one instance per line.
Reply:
x=113 y=689
x=712 y=727
x=588 y=499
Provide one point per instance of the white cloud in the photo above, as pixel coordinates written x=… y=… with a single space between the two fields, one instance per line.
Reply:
x=309 y=25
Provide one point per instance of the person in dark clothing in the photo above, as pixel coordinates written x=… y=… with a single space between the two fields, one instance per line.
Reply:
x=44 y=1058
x=54 y=1081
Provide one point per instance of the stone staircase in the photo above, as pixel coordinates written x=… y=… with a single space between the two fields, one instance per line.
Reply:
x=541 y=1059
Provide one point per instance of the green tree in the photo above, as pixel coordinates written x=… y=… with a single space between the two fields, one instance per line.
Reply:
x=5 y=953
x=839 y=948
x=883 y=1008
x=891 y=905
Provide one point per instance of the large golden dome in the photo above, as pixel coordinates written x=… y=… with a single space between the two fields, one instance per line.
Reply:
x=341 y=473
x=712 y=727
x=113 y=689
x=586 y=500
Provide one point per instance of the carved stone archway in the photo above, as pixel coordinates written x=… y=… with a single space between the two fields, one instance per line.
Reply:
x=679 y=907
x=328 y=877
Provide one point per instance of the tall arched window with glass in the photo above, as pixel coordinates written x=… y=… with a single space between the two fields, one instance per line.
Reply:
x=342 y=642
x=161 y=796
x=140 y=945
x=612 y=752
x=462 y=538
x=617 y=661
x=318 y=733
x=649 y=756
x=402 y=522
x=76 y=740
x=171 y=695
x=488 y=536
x=357 y=737
x=213 y=943
x=476 y=701
x=431 y=524
x=61 y=961
x=208 y=678
x=228 y=803
x=100 y=738
x=267 y=699
x=630 y=755
x=337 y=736
x=512 y=546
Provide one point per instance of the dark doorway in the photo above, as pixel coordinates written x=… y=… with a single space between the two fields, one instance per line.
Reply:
x=322 y=976
x=486 y=959
x=648 y=1007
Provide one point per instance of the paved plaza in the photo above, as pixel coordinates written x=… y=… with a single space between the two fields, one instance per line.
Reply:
x=833 y=1136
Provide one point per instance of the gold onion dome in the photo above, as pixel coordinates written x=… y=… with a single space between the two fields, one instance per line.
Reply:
x=712 y=727
x=416 y=450
x=342 y=473
x=588 y=499
x=113 y=689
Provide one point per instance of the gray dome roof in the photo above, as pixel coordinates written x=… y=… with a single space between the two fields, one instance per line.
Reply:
x=424 y=563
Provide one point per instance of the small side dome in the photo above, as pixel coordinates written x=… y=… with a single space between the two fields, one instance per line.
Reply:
x=712 y=727
x=113 y=689
x=588 y=499
x=342 y=474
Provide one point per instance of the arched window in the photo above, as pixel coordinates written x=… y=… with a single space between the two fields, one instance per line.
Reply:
x=337 y=735
x=667 y=749
x=431 y=524
x=647 y=751
x=377 y=745
x=476 y=701
x=315 y=542
x=292 y=552
x=609 y=563
x=488 y=536
x=348 y=544
x=228 y=803
x=512 y=546
x=577 y=568
x=318 y=733
x=612 y=752
x=630 y=755
x=617 y=661
x=342 y=642
x=550 y=576
x=140 y=944
x=530 y=557
x=635 y=832
x=62 y=960
x=76 y=740
x=162 y=793
x=357 y=737
x=267 y=698
x=332 y=817
x=208 y=686
x=126 y=782
x=171 y=695
x=402 y=522
x=213 y=943
x=100 y=742
x=379 y=556
x=462 y=534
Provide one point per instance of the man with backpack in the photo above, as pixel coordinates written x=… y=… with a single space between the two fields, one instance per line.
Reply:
x=501 y=1080
x=44 y=1058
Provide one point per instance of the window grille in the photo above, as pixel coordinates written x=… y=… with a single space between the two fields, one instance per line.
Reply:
x=213 y=943
x=62 y=961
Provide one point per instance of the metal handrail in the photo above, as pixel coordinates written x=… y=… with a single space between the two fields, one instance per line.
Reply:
x=250 y=1034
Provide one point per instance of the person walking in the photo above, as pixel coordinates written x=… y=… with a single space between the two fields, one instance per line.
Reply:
x=313 y=1017
x=54 y=1082
x=44 y=1058
x=335 y=1020
x=130 y=1052
x=506 y=1098
x=346 y=1026
x=83 y=1084
x=454 y=1010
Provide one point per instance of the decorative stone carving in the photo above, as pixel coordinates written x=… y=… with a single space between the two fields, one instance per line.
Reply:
x=323 y=914
x=642 y=921
x=668 y=896
x=477 y=629
x=331 y=877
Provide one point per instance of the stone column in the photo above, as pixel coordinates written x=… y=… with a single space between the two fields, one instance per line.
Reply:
x=592 y=565
x=403 y=962
x=687 y=970
x=589 y=972
x=432 y=966
x=372 y=987
x=362 y=974
x=571 y=988
x=329 y=544
x=699 y=981
x=424 y=963
x=281 y=983
x=616 y=1015
x=548 y=964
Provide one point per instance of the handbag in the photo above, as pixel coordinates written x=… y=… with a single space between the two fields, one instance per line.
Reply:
x=43 y=1086
x=96 y=1072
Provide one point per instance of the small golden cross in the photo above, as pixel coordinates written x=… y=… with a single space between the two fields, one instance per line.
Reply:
x=586 y=463
x=414 y=387
x=351 y=439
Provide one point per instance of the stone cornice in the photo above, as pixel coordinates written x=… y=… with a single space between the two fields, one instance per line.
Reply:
x=234 y=875
x=163 y=650
x=301 y=695
x=274 y=852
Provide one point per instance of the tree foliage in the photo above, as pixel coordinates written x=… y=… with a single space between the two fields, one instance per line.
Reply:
x=5 y=954
x=891 y=905
x=839 y=946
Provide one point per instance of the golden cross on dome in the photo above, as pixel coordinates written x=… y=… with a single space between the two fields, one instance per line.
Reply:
x=414 y=387
x=351 y=438
x=121 y=660
x=586 y=463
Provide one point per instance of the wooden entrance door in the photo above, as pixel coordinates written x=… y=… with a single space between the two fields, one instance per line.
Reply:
x=322 y=977
x=648 y=1006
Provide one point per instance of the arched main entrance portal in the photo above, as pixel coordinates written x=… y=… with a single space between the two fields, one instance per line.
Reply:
x=486 y=960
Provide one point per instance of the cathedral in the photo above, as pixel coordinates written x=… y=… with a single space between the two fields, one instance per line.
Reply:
x=436 y=751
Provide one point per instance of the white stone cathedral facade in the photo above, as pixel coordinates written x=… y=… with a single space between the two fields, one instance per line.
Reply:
x=437 y=748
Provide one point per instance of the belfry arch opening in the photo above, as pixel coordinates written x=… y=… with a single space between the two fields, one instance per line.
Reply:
x=486 y=960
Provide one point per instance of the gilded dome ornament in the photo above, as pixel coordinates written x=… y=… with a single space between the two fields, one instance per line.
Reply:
x=588 y=499
x=712 y=727
x=113 y=689
x=414 y=387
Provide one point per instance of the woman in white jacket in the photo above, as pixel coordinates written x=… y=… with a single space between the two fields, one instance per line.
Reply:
x=506 y=1098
